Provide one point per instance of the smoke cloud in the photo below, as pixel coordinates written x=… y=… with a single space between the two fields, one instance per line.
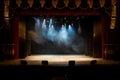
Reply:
x=66 y=39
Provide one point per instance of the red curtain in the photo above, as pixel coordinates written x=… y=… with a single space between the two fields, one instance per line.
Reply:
x=15 y=36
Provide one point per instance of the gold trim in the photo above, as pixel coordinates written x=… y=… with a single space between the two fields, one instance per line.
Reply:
x=42 y=2
x=54 y=3
x=90 y=3
x=114 y=11
x=18 y=2
x=30 y=2
x=113 y=2
x=77 y=2
x=102 y=3
x=113 y=23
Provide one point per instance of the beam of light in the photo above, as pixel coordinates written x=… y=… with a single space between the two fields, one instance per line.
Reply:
x=79 y=29
x=70 y=29
x=71 y=32
x=36 y=37
x=63 y=33
x=44 y=24
x=37 y=24
x=65 y=25
x=44 y=29
x=63 y=36
x=50 y=22
x=52 y=33
x=52 y=27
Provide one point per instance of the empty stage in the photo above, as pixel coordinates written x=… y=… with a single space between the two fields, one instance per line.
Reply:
x=59 y=60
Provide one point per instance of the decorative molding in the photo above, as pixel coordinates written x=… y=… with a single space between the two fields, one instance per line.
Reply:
x=114 y=10
x=113 y=14
x=66 y=3
x=102 y=2
x=6 y=8
x=90 y=2
x=36 y=4
x=48 y=4
x=18 y=2
x=114 y=2
x=84 y=4
x=113 y=23
x=30 y=2
x=108 y=4
x=24 y=4
x=77 y=2
x=54 y=3
x=96 y=4
x=61 y=4
x=72 y=4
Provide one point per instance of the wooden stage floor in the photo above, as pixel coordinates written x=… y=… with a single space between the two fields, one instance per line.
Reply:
x=58 y=60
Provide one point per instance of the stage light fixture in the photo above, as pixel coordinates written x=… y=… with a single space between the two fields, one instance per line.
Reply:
x=23 y=62
x=71 y=63
x=93 y=62
x=44 y=62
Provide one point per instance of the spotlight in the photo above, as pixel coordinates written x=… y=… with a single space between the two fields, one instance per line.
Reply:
x=93 y=62
x=44 y=62
x=71 y=63
x=23 y=62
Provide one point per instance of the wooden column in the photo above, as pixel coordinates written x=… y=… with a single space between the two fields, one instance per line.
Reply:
x=103 y=48
x=15 y=36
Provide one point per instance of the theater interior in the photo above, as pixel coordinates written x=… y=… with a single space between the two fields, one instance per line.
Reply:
x=59 y=39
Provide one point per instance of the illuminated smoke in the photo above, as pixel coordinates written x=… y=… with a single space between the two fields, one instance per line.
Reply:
x=52 y=33
x=37 y=24
x=79 y=29
x=36 y=37
x=71 y=32
x=62 y=37
x=66 y=36
x=44 y=24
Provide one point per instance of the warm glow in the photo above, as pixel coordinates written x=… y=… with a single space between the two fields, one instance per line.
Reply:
x=113 y=21
x=114 y=2
x=102 y=2
x=6 y=10
x=18 y=2
x=114 y=11
x=22 y=30
x=61 y=58
x=30 y=2
x=77 y=2
x=54 y=2
x=66 y=2
x=42 y=3
x=90 y=2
